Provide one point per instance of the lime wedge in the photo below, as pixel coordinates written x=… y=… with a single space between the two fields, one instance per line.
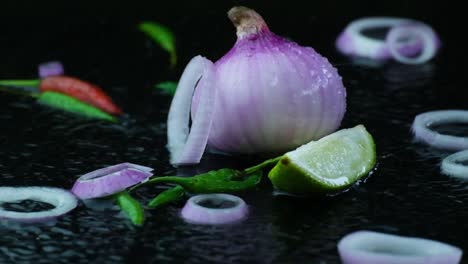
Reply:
x=328 y=165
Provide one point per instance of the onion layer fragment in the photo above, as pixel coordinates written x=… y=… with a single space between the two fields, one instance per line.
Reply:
x=51 y=68
x=62 y=200
x=366 y=247
x=422 y=32
x=452 y=165
x=423 y=132
x=197 y=211
x=110 y=180
x=188 y=147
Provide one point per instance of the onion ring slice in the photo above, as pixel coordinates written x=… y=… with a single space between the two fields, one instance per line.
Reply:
x=421 y=31
x=195 y=212
x=366 y=247
x=187 y=148
x=423 y=132
x=452 y=166
x=352 y=42
x=110 y=180
x=62 y=200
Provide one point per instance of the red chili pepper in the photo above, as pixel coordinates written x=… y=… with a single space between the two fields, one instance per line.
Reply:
x=81 y=90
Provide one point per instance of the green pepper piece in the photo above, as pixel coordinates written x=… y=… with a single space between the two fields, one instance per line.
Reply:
x=169 y=87
x=162 y=36
x=224 y=180
x=70 y=104
x=167 y=196
x=131 y=207
x=29 y=83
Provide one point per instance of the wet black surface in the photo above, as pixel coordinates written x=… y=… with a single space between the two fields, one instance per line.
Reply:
x=27 y=206
x=406 y=195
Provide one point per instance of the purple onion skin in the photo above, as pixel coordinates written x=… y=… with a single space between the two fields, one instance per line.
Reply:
x=88 y=186
x=51 y=68
x=273 y=95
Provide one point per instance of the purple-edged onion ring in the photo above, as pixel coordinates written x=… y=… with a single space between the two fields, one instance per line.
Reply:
x=452 y=165
x=366 y=247
x=188 y=147
x=51 y=68
x=62 y=200
x=424 y=33
x=196 y=211
x=110 y=180
x=353 y=42
x=422 y=131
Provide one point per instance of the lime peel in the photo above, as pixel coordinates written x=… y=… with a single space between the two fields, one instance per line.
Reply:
x=326 y=166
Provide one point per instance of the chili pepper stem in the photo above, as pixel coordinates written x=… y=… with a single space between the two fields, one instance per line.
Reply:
x=262 y=165
x=155 y=180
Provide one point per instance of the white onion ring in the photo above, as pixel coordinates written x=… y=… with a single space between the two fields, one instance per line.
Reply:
x=366 y=247
x=63 y=200
x=110 y=180
x=193 y=212
x=423 y=132
x=185 y=147
x=423 y=32
x=451 y=165
x=352 y=42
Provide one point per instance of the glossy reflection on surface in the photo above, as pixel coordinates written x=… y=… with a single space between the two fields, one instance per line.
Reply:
x=39 y=146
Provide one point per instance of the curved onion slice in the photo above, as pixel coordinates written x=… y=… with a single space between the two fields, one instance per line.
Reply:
x=225 y=208
x=365 y=247
x=62 y=200
x=423 y=132
x=352 y=42
x=452 y=165
x=51 y=68
x=110 y=180
x=419 y=31
x=185 y=147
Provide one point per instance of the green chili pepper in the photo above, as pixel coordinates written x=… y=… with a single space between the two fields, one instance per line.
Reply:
x=70 y=104
x=224 y=180
x=169 y=87
x=29 y=83
x=162 y=36
x=167 y=196
x=131 y=207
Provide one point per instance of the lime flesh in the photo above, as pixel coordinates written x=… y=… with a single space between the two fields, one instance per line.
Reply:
x=328 y=165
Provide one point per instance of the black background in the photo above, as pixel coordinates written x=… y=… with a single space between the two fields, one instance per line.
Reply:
x=98 y=41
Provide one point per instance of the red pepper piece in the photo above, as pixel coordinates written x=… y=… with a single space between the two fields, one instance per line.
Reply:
x=81 y=90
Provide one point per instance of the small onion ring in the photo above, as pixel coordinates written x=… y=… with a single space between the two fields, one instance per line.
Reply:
x=63 y=200
x=193 y=212
x=451 y=165
x=423 y=132
x=110 y=180
x=185 y=147
x=352 y=42
x=51 y=68
x=424 y=32
x=366 y=247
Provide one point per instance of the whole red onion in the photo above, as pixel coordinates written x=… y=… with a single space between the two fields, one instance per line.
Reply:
x=272 y=94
